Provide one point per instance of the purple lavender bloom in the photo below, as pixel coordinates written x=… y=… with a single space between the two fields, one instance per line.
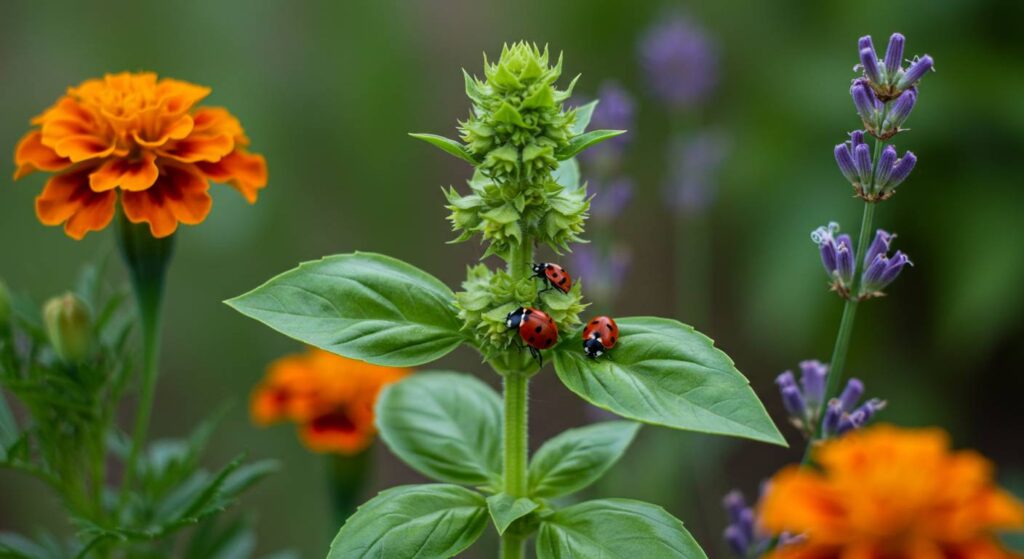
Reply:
x=900 y=110
x=852 y=394
x=610 y=198
x=894 y=55
x=694 y=165
x=866 y=102
x=880 y=245
x=869 y=62
x=741 y=534
x=836 y=254
x=615 y=111
x=680 y=61
x=833 y=414
x=792 y=398
x=917 y=70
x=900 y=171
x=882 y=271
x=812 y=378
x=870 y=408
x=850 y=422
x=845 y=162
x=865 y=43
x=862 y=161
x=883 y=172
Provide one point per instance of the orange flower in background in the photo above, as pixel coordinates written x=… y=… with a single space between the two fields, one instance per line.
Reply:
x=329 y=396
x=143 y=139
x=891 y=493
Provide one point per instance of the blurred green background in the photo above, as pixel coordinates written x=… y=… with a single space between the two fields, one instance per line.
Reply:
x=327 y=91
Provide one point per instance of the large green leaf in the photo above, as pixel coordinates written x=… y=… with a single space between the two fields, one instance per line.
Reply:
x=665 y=373
x=364 y=306
x=445 y=425
x=448 y=146
x=614 y=529
x=583 y=141
x=583 y=116
x=506 y=509
x=568 y=174
x=578 y=457
x=413 y=521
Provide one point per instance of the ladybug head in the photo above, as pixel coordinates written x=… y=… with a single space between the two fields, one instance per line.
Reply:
x=593 y=347
x=539 y=267
x=514 y=318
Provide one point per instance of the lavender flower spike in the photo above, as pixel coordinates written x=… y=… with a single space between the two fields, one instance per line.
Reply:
x=917 y=70
x=869 y=62
x=894 y=55
x=845 y=161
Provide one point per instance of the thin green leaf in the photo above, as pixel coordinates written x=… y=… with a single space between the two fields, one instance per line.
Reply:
x=413 y=522
x=583 y=141
x=615 y=529
x=583 y=116
x=445 y=425
x=506 y=509
x=449 y=146
x=578 y=457
x=364 y=306
x=665 y=373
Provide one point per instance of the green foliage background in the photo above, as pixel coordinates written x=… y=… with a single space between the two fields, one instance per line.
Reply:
x=328 y=90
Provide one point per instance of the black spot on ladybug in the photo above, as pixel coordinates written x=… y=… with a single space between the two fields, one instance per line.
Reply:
x=549 y=342
x=538 y=329
x=595 y=322
x=613 y=340
x=561 y=282
x=609 y=327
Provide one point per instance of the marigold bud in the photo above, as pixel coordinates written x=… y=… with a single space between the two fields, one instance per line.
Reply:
x=69 y=327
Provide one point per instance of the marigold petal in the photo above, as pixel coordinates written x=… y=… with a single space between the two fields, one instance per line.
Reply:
x=246 y=172
x=337 y=432
x=67 y=199
x=176 y=129
x=31 y=155
x=129 y=174
x=179 y=195
x=200 y=148
x=81 y=148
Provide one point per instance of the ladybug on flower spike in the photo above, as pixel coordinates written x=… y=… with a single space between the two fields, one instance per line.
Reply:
x=554 y=275
x=537 y=330
x=599 y=336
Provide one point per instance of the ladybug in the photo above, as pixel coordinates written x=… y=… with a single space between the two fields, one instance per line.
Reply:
x=599 y=336
x=537 y=330
x=554 y=275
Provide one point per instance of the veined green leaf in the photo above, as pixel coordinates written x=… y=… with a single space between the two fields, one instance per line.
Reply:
x=578 y=457
x=583 y=116
x=615 y=529
x=665 y=373
x=506 y=509
x=413 y=522
x=568 y=174
x=445 y=425
x=363 y=306
x=448 y=145
x=583 y=141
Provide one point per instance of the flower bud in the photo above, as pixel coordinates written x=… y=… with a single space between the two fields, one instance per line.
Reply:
x=865 y=43
x=900 y=171
x=836 y=255
x=833 y=414
x=845 y=266
x=866 y=103
x=894 y=55
x=869 y=62
x=5 y=304
x=883 y=172
x=880 y=245
x=917 y=70
x=68 y=325
x=900 y=110
x=862 y=160
x=845 y=162
x=812 y=377
x=851 y=395
x=882 y=271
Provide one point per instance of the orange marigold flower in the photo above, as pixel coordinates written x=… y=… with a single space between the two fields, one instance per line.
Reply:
x=329 y=396
x=891 y=493
x=140 y=138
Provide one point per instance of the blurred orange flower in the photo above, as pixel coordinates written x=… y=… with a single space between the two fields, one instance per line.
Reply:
x=891 y=493
x=143 y=138
x=329 y=396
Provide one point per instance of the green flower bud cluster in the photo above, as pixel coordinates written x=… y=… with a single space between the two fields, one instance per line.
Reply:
x=489 y=295
x=517 y=125
x=504 y=215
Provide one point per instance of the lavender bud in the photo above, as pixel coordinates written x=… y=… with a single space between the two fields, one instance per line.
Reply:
x=851 y=394
x=894 y=55
x=901 y=171
x=737 y=540
x=845 y=162
x=865 y=101
x=856 y=138
x=833 y=413
x=880 y=245
x=900 y=109
x=870 y=408
x=845 y=266
x=812 y=377
x=871 y=280
x=734 y=504
x=917 y=70
x=850 y=422
x=893 y=268
x=869 y=61
x=883 y=172
x=824 y=237
x=865 y=43
x=862 y=159
x=793 y=401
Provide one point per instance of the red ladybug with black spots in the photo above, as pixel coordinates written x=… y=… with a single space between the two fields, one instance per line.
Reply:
x=537 y=330
x=599 y=336
x=554 y=275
